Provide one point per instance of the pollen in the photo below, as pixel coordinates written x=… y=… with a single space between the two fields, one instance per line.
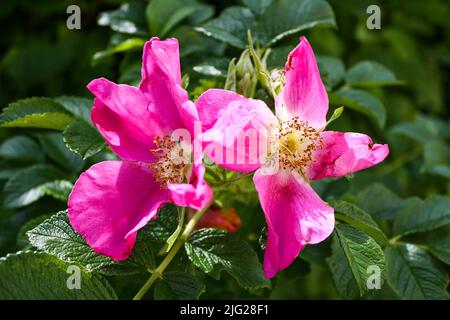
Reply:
x=172 y=161
x=293 y=144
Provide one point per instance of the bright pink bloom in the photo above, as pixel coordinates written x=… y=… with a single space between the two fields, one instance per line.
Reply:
x=303 y=151
x=114 y=199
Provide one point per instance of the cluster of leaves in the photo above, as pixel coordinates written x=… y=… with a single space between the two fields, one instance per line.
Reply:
x=45 y=143
x=407 y=265
x=59 y=246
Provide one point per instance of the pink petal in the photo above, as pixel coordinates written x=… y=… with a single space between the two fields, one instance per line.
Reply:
x=120 y=113
x=161 y=57
x=236 y=129
x=161 y=79
x=212 y=102
x=110 y=202
x=295 y=216
x=304 y=94
x=344 y=153
x=197 y=194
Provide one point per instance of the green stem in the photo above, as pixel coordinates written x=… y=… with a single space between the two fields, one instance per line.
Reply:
x=172 y=253
x=395 y=241
x=170 y=242
x=223 y=183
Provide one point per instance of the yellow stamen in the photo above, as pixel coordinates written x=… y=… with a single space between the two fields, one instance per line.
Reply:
x=293 y=143
x=172 y=161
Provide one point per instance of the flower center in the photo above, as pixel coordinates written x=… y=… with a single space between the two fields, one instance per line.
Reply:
x=172 y=161
x=293 y=144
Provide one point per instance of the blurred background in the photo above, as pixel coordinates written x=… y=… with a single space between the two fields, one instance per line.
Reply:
x=407 y=108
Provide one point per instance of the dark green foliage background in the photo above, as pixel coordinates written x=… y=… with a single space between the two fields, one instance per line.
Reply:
x=403 y=201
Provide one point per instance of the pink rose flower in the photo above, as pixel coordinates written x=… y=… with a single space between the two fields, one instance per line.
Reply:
x=299 y=146
x=112 y=200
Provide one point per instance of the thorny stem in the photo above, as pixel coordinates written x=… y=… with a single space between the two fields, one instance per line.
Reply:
x=172 y=253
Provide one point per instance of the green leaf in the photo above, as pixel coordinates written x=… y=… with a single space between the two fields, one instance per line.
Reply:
x=57 y=237
x=22 y=237
x=9 y=168
x=178 y=286
x=292 y=16
x=53 y=144
x=231 y=26
x=332 y=70
x=351 y=214
x=370 y=73
x=257 y=6
x=29 y=185
x=414 y=275
x=35 y=113
x=131 y=75
x=353 y=254
x=379 y=201
x=278 y=57
x=216 y=67
x=439 y=243
x=437 y=158
x=361 y=101
x=83 y=139
x=77 y=106
x=59 y=189
x=419 y=216
x=192 y=42
x=214 y=250
x=164 y=15
x=21 y=148
x=164 y=226
x=34 y=276
x=422 y=129
x=129 y=19
x=126 y=45
x=442 y=170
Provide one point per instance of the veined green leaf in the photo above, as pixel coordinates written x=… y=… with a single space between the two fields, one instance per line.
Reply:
x=439 y=243
x=355 y=258
x=231 y=26
x=77 y=106
x=418 y=215
x=361 y=101
x=213 y=250
x=332 y=70
x=414 y=275
x=126 y=45
x=54 y=146
x=129 y=18
x=83 y=139
x=37 y=275
x=35 y=113
x=22 y=149
x=351 y=214
x=292 y=16
x=57 y=237
x=370 y=73
x=379 y=201
x=30 y=184
x=178 y=286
